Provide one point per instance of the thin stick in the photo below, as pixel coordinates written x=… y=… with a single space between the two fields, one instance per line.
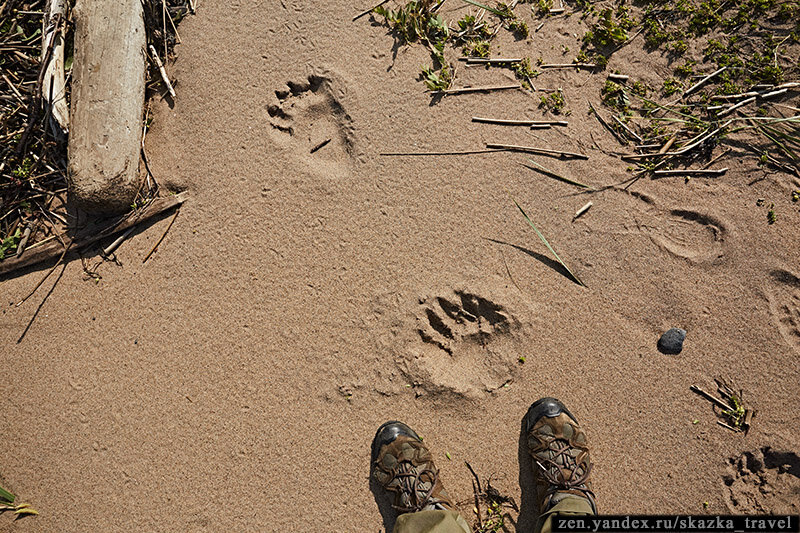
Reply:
x=171 y=222
x=509 y=122
x=618 y=77
x=765 y=94
x=465 y=90
x=476 y=490
x=490 y=61
x=550 y=173
x=772 y=94
x=119 y=240
x=465 y=152
x=581 y=211
x=702 y=82
x=533 y=150
x=728 y=97
x=320 y=145
x=163 y=71
x=368 y=11
x=606 y=126
x=633 y=134
x=719 y=403
x=192 y=7
x=733 y=108
x=700 y=139
x=720 y=156
x=692 y=172
x=569 y=65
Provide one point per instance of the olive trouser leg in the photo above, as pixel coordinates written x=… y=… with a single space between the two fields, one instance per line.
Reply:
x=431 y=522
x=452 y=522
x=570 y=505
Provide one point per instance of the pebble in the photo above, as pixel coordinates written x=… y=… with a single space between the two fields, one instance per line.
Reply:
x=671 y=342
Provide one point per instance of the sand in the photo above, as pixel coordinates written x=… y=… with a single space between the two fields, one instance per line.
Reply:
x=234 y=382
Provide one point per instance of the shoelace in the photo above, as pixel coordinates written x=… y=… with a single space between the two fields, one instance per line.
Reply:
x=559 y=481
x=409 y=477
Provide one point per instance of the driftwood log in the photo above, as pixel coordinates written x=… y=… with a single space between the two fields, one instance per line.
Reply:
x=108 y=90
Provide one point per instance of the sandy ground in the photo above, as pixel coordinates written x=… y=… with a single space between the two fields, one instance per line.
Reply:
x=234 y=381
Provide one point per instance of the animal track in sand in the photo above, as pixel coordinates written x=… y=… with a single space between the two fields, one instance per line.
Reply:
x=467 y=345
x=784 y=305
x=310 y=113
x=684 y=233
x=763 y=481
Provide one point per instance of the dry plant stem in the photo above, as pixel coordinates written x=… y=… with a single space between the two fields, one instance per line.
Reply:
x=368 y=11
x=465 y=152
x=720 y=156
x=702 y=82
x=465 y=90
x=550 y=173
x=117 y=242
x=773 y=91
x=509 y=122
x=158 y=243
x=569 y=65
x=733 y=108
x=68 y=242
x=632 y=133
x=773 y=94
x=694 y=143
x=320 y=146
x=618 y=77
x=489 y=61
x=582 y=210
x=667 y=145
x=168 y=17
x=729 y=97
x=162 y=71
x=716 y=401
x=723 y=424
x=606 y=126
x=691 y=172
x=534 y=150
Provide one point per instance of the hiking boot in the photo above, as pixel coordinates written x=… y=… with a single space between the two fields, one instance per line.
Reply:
x=558 y=447
x=403 y=465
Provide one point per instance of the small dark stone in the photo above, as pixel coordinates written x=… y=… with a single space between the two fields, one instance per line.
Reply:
x=671 y=342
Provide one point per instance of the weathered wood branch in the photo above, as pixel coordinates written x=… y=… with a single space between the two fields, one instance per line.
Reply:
x=89 y=235
x=53 y=86
x=108 y=90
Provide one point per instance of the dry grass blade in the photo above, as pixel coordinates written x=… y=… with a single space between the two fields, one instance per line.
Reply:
x=551 y=174
x=487 y=8
x=539 y=233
